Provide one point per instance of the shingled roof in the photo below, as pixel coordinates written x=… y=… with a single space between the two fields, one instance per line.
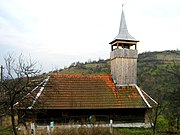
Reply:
x=78 y=91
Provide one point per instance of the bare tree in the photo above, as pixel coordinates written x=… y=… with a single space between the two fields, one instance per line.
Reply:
x=17 y=82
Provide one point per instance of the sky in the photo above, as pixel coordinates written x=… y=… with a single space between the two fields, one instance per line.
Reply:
x=56 y=33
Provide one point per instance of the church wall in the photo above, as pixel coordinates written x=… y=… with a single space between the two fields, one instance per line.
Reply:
x=81 y=116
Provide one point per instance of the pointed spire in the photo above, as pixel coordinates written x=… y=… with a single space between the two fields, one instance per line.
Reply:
x=123 y=31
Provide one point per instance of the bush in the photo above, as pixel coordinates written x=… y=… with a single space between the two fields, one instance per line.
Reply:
x=6 y=131
x=162 y=123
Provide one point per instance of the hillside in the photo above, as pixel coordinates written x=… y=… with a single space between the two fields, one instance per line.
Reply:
x=101 y=66
x=157 y=65
x=91 y=67
x=159 y=57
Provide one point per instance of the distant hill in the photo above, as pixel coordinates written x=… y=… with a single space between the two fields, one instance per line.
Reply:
x=103 y=66
x=91 y=67
x=159 y=71
x=159 y=57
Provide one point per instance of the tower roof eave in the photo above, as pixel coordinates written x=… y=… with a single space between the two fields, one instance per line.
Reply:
x=130 y=41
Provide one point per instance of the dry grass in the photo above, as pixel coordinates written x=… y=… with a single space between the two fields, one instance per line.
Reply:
x=71 y=131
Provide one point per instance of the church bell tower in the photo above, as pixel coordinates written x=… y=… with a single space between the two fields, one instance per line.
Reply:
x=124 y=56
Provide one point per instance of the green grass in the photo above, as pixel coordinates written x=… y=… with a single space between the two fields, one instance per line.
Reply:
x=74 y=71
x=90 y=65
x=133 y=131
x=81 y=71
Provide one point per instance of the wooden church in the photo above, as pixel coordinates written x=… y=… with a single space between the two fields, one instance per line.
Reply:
x=87 y=99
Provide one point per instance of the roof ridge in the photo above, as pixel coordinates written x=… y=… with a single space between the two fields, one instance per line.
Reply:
x=80 y=74
x=149 y=97
x=40 y=91
x=140 y=92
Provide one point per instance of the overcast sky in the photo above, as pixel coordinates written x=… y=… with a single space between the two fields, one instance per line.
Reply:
x=58 y=32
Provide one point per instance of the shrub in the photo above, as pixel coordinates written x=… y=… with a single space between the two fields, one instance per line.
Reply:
x=162 y=123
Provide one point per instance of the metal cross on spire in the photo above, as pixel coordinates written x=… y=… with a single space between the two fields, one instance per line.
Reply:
x=122 y=5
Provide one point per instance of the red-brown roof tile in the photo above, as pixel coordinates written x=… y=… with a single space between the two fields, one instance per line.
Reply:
x=78 y=91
